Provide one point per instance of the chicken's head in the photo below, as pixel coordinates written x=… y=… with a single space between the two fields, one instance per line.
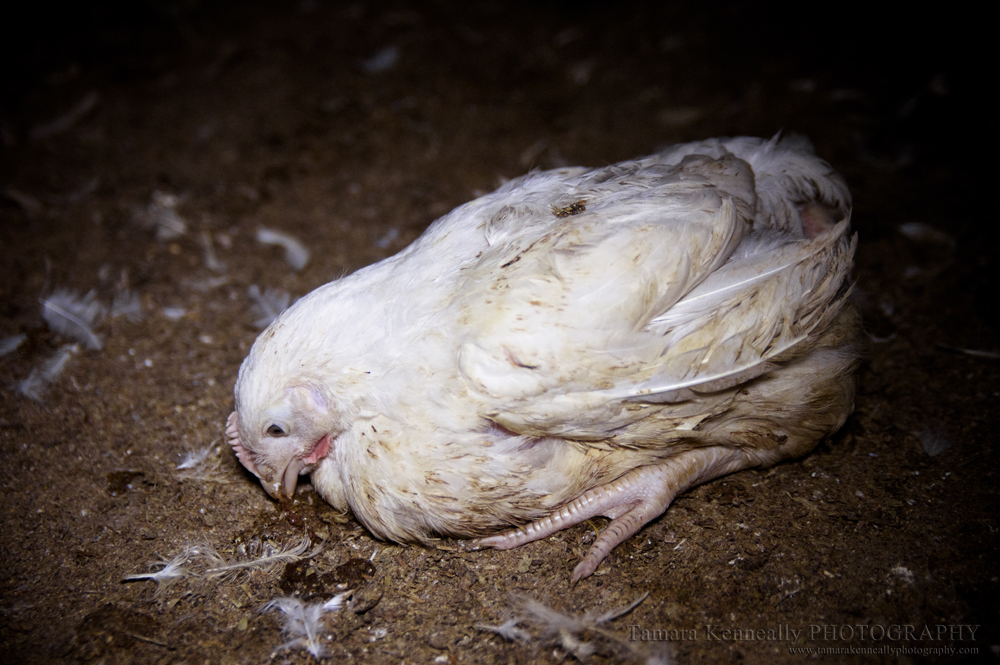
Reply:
x=280 y=434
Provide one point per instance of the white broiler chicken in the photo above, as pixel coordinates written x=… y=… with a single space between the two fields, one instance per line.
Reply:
x=580 y=342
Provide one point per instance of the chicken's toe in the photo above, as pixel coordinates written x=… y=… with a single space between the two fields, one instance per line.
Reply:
x=630 y=501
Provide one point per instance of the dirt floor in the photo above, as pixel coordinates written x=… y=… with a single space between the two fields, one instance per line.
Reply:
x=144 y=144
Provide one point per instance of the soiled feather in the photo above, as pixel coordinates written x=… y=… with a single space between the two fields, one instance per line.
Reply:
x=267 y=306
x=266 y=559
x=161 y=214
x=68 y=119
x=581 y=635
x=38 y=382
x=127 y=303
x=577 y=343
x=208 y=254
x=201 y=560
x=10 y=344
x=75 y=316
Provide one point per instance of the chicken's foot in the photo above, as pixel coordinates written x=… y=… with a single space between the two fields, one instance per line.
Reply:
x=631 y=501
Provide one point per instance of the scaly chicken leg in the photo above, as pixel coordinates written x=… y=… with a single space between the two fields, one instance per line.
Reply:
x=631 y=501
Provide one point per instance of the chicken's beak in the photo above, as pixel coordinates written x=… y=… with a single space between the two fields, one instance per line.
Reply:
x=283 y=487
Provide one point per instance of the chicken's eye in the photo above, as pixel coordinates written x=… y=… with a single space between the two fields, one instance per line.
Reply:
x=275 y=429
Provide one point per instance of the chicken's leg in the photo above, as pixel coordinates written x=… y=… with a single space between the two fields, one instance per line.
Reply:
x=630 y=501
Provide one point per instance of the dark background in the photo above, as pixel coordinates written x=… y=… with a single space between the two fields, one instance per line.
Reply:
x=266 y=114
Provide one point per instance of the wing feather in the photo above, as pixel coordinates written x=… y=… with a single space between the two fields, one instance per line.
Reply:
x=552 y=307
x=651 y=282
x=748 y=315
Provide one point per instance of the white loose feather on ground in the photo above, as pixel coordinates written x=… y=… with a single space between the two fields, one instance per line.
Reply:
x=212 y=262
x=162 y=216
x=267 y=306
x=195 y=458
x=38 y=382
x=128 y=304
x=75 y=316
x=10 y=344
x=296 y=254
x=304 y=623
x=168 y=571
